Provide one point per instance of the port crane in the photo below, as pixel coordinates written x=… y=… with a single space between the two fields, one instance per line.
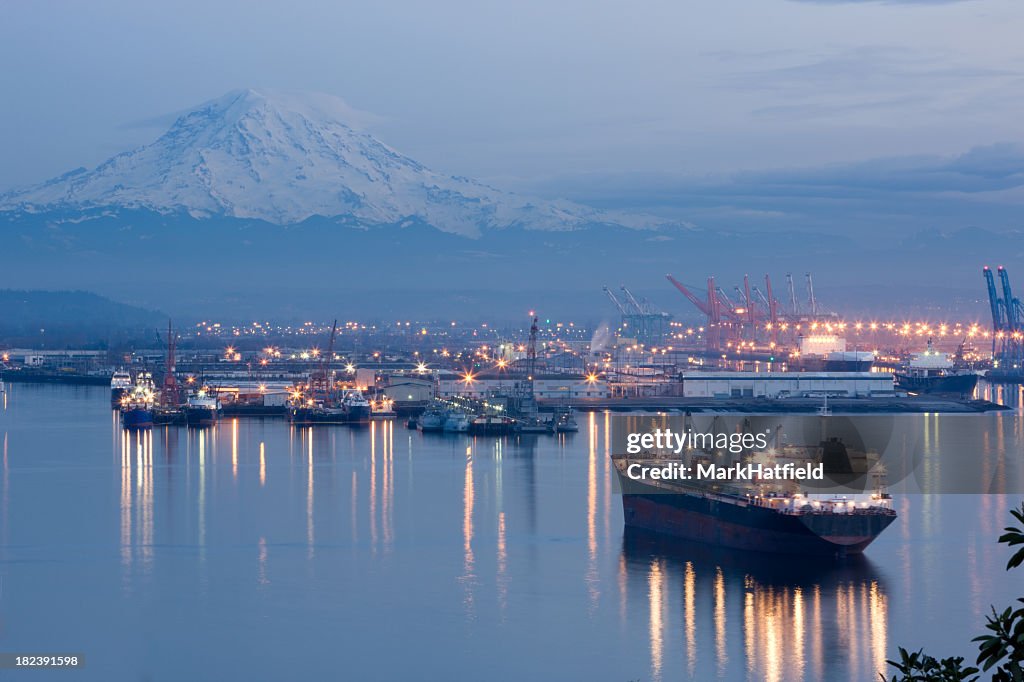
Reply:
x=1007 y=316
x=994 y=303
x=621 y=308
x=811 y=301
x=1010 y=303
x=720 y=311
x=794 y=306
x=645 y=323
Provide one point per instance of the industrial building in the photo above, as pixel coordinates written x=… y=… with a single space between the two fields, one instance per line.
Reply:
x=787 y=384
x=545 y=387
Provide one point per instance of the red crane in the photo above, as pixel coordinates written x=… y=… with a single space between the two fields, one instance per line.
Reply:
x=715 y=310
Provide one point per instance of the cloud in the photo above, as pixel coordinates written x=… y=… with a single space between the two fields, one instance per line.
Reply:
x=877 y=198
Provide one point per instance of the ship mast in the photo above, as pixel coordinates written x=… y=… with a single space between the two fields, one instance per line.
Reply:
x=169 y=394
x=531 y=358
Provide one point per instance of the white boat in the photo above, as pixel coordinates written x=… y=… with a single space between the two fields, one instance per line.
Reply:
x=120 y=385
x=565 y=421
x=457 y=422
x=431 y=420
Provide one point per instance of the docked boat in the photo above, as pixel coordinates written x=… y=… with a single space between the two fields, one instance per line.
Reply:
x=139 y=404
x=758 y=514
x=120 y=385
x=202 y=409
x=432 y=420
x=457 y=422
x=936 y=372
x=565 y=421
x=491 y=425
x=317 y=413
x=532 y=425
x=355 y=408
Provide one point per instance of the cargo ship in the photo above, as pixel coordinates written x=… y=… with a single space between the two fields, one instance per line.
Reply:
x=775 y=517
x=120 y=386
x=935 y=372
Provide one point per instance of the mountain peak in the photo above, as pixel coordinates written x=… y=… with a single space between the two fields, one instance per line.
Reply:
x=283 y=157
x=237 y=104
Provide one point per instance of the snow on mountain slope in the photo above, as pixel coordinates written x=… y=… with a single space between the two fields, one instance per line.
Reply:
x=284 y=158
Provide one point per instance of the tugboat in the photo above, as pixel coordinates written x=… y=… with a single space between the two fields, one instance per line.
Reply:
x=120 y=386
x=137 y=407
x=935 y=372
x=202 y=409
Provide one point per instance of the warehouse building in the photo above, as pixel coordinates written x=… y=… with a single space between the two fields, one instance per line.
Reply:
x=787 y=384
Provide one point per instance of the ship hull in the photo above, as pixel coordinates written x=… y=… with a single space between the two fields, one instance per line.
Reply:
x=955 y=383
x=200 y=416
x=747 y=527
x=307 y=416
x=356 y=414
x=136 y=418
x=1005 y=376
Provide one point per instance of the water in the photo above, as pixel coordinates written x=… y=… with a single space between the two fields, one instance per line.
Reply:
x=258 y=551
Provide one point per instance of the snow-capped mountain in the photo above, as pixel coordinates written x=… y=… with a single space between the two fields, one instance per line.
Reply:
x=283 y=158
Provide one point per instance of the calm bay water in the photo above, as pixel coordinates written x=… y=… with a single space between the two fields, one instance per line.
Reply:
x=258 y=551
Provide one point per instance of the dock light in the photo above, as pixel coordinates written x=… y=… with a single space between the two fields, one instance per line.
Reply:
x=350 y=368
x=421 y=368
x=263 y=388
x=502 y=364
x=468 y=377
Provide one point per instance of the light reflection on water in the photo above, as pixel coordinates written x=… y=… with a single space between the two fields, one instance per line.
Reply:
x=252 y=535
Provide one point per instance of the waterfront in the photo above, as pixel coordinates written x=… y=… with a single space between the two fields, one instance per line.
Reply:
x=259 y=550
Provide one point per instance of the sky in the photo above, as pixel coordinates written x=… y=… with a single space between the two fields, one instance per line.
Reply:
x=534 y=94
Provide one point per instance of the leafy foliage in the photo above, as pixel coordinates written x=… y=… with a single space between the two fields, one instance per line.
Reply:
x=1001 y=650
x=920 y=667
